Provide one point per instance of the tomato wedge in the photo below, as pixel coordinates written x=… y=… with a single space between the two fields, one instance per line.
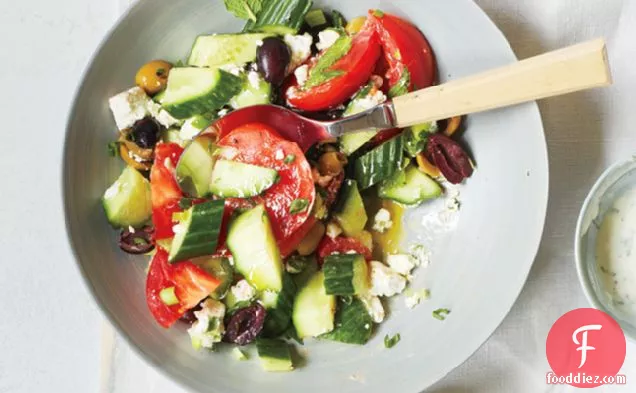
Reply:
x=341 y=245
x=357 y=65
x=259 y=144
x=191 y=283
x=405 y=50
x=164 y=189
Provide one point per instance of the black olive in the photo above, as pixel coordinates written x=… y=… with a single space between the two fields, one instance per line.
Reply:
x=245 y=325
x=189 y=317
x=273 y=57
x=145 y=133
x=138 y=241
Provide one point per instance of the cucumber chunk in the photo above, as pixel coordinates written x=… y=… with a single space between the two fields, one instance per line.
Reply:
x=362 y=101
x=316 y=18
x=380 y=163
x=221 y=49
x=353 y=323
x=194 y=169
x=256 y=255
x=221 y=269
x=127 y=201
x=351 y=215
x=197 y=232
x=231 y=179
x=256 y=91
x=280 y=16
x=274 y=354
x=279 y=307
x=196 y=91
x=314 y=309
x=410 y=187
x=346 y=274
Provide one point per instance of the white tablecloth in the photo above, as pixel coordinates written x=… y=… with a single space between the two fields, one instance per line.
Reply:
x=586 y=132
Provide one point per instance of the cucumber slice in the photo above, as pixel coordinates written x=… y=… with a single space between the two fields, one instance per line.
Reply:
x=127 y=201
x=349 y=143
x=231 y=179
x=256 y=255
x=198 y=233
x=274 y=355
x=221 y=49
x=221 y=269
x=354 y=325
x=256 y=91
x=351 y=215
x=346 y=274
x=316 y=18
x=195 y=91
x=280 y=16
x=380 y=163
x=279 y=308
x=410 y=187
x=194 y=169
x=314 y=309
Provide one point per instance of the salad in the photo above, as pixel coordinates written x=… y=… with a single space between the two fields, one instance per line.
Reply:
x=250 y=238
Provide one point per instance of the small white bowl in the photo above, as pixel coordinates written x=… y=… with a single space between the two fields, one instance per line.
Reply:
x=616 y=180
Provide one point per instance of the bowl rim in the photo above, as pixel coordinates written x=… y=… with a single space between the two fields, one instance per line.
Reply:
x=110 y=317
x=620 y=167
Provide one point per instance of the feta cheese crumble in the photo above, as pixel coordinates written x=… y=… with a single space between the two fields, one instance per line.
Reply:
x=254 y=79
x=161 y=115
x=333 y=230
x=188 y=130
x=223 y=112
x=412 y=299
x=129 y=107
x=243 y=291
x=401 y=263
x=208 y=328
x=370 y=101
x=421 y=254
x=300 y=48
x=302 y=73
x=385 y=281
x=382 y=221
x=327 y=38
x=374 y=307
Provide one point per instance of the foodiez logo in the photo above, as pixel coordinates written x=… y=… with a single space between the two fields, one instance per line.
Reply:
x=585 y=348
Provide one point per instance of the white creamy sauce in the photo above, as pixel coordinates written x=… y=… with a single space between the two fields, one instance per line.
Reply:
x=616 y=252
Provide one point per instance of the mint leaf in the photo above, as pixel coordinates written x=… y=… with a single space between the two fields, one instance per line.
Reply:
x=244 y=9
x=390 y=342
x=289 y=159
x=402 y=85
x=113 y=149
x=322 y=72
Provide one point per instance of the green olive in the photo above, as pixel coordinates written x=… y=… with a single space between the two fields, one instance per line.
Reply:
x=153 y=76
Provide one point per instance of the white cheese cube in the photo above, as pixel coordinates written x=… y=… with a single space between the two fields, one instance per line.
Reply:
x=382 y=221
x=300 y=48
x=327 y=38
x=401 y=263
x=243 y=291
x=385 y=281
x=129 y=107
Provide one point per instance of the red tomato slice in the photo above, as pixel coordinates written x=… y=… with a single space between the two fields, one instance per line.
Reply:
x=259 y=144
x=192 y=284
x=405 y=47
x=164 y=189
x=357 y=65
x=341 y=245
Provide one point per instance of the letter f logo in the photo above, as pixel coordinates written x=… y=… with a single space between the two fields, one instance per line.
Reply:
x=583 y=343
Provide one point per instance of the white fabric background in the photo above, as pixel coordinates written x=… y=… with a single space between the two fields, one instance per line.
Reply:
x=586 y=132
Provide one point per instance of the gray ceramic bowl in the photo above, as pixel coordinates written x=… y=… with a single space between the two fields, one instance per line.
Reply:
x=615 y=181
x=477 y=271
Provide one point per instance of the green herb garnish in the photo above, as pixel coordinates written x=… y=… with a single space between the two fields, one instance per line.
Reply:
x=378 y=13
x=161 y=71
x=390 y=342
x=298 y=206
x=321 y=72
x=244 y=9
x=339 y=21
x=289 y=159
x=402 y=85
x=113 y=149
x=441 y=313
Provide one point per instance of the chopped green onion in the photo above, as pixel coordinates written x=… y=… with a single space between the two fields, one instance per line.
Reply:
x=113 y=149
x=289 y=159
x=168 y=296
x=298 y=206
x=441 y=313
x=390 y=342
